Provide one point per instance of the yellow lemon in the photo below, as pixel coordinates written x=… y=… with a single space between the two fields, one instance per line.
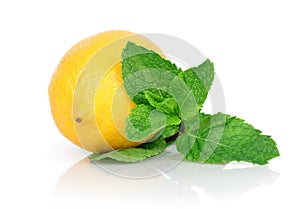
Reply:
x=88 y=101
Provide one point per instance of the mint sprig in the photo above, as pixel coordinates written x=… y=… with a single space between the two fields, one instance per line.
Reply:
x=223 y=138
x=169 y=103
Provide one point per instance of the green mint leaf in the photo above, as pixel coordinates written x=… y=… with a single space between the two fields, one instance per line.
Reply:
x=135 y=58
x=166 y=92
x=170 y=131
x=223 y=138
x=166 y=103
x=145 y=122
x=199 y=80
x=134 y=154
x=137 y=62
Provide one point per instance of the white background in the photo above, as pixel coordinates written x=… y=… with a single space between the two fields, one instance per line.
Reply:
x=255 y=46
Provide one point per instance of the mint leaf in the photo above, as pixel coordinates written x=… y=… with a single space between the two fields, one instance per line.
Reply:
x=145 y=122
x=139 y=59
x=223 y=138
x=135 y=58
x=199 y=80
x=134 y=154
x=170 y=131
x=166 y=103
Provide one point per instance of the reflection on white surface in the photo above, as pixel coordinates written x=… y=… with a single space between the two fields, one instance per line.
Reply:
x=151 y=167
x=187 y=182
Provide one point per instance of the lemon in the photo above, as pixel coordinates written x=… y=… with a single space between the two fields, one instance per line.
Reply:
x=88 y=101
